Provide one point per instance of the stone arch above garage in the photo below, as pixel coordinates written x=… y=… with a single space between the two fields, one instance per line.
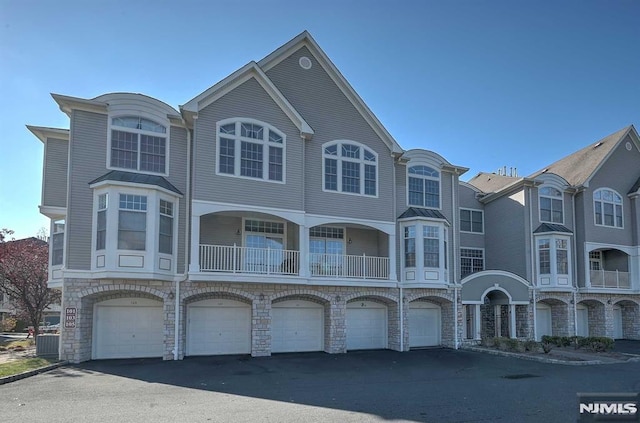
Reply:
x=477 y=286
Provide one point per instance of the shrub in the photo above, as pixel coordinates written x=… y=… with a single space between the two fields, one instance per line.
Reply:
x=8 y=324
x=547 y=345
x=531 y=346
x=597 y=343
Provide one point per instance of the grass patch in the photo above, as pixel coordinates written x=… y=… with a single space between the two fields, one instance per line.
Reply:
x=23 y=365
x=13 y=343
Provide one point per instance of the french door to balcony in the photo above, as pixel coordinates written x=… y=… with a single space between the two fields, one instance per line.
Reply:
x=326 y=256
x=264 y=253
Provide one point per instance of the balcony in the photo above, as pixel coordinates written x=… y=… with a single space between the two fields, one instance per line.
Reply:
x=610 y=279
x=266 y=261
x=349 y=266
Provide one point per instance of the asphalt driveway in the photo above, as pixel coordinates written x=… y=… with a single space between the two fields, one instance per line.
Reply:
x=437 y=385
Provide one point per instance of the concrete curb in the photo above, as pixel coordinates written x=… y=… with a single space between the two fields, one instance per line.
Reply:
x=541 y=359
x=23 y=375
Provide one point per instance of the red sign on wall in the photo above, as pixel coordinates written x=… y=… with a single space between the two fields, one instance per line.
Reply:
x=70 y=317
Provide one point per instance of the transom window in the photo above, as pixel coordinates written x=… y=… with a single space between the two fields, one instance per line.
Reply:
x=608 y=208
x=251 y=150
x=471 y=220
x=138 y=144
x=551 y=205
x=424 y=186
x=350 y=168
x=471 y=261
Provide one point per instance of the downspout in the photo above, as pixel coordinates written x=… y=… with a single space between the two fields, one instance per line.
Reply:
x=575 y=266
x=533 y=267
x=401 y=321
x=399 y=281
x=186 y=249
x=454 y=263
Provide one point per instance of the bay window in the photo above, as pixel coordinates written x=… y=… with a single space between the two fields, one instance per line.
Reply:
x=57 y=243
x=553 y=256
x=425 y=251
x=132 y=222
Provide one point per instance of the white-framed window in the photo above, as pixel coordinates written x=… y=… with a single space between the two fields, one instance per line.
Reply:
x=553 y=255
x=101 y=223
x=595 y=260
x=471 y=261
x=551 y=205
x=431 y=245
x=410 y=246
x=165 y=231
x=607 y=205
x=138 y=144
x=57 y=243
x=472 y=221
x=251 y=149
x=132 y=222
x=423 y=185
x=425 y=251
x=350 y=167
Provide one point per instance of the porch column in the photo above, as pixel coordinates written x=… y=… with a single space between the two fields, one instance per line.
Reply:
x=303 y=240
x=476 y=327
x=194 y=263
x=393 y=271
x=512 y=321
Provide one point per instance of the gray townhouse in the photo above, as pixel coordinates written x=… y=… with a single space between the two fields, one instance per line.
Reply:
x=275 y=213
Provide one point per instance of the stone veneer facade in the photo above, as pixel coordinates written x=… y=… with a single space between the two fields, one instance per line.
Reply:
x=82 y=294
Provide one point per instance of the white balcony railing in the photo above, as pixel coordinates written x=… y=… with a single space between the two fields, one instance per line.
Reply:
x=349 y=266
x=610 y=279
x=234 y=259
x=267 y=261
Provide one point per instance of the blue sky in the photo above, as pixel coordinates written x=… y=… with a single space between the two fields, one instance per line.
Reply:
x=483 y=83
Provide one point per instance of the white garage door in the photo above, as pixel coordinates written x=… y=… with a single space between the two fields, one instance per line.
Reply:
x=617 y=322
x=128 y=328
x=583 y=320
x=297 y=326
x=543 y=321
x=218 y=326
x=366 y=325
x=424 y=324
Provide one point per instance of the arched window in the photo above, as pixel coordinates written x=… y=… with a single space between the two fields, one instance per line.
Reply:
x=423 y=186
x=350 y=167
x=251 y=149
x=138 y=144
x=551 y=205
x=607 y=205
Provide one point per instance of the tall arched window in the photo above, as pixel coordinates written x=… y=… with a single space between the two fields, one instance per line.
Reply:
x=251 y=149
x=423 y=186
x=551 y=205
x=607 y=205
x=138 y=144
x=350 y=167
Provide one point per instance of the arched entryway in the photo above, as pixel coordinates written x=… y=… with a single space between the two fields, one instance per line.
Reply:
x=552 y=318
x=626 y=320
x=496 y=304
x=591 y=318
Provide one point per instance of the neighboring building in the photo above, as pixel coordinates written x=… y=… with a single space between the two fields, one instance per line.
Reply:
x=274 y=213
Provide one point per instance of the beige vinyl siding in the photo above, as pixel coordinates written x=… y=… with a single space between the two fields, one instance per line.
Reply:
x=216 y=229
x=178 y=174
x=54 y=181
x=467 y=200
x=505 y=240
x=249 y=100
x=366 y=241
x=619 y=173
x=88 y=144
x=333 y=117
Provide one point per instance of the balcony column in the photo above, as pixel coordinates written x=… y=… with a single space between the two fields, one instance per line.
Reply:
x=393 y=271
x=194 y=263
x=303 y=240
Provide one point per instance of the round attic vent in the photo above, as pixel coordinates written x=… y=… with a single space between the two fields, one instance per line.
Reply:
x=628 y=146
x=305 y=62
